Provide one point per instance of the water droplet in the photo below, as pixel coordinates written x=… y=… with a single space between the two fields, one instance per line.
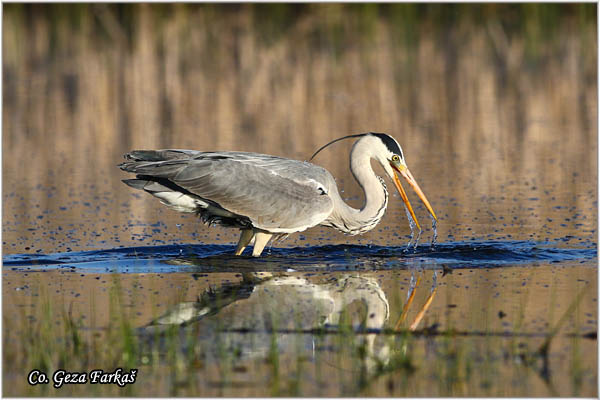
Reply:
x=435 y=234
x=413 y=228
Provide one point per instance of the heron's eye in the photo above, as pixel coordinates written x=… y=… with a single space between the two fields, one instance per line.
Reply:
x=395 y=158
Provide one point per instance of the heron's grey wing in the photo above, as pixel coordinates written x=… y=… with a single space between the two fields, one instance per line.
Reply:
x=272 y=200
x=276 y=194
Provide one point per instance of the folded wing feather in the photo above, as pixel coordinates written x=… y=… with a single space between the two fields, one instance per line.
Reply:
x=275 y=194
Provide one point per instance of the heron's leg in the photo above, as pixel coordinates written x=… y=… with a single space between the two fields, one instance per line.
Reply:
x=245 y=238
x=260 y=241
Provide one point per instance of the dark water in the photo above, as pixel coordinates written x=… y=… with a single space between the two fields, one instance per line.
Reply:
x=219 y=258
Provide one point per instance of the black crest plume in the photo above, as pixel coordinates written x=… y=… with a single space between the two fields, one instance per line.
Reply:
x=337 y=140
x=387 y=140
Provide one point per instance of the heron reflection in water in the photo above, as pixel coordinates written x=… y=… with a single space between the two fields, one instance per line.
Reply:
x=267 y=196
x=243 y=315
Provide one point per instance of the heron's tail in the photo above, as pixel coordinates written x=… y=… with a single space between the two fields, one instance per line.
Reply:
x=145 y=155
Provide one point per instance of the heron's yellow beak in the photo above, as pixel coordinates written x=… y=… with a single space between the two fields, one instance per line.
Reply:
x=403 y=170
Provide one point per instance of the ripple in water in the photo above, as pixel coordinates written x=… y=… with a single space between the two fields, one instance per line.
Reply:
x=220 y=258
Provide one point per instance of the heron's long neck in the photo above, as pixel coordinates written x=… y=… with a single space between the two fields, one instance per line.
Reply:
x=353 y=221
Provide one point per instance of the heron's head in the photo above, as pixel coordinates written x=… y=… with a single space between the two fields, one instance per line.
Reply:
x=389 y=154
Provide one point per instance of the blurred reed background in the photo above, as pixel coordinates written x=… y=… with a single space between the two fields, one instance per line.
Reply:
x=479 y=95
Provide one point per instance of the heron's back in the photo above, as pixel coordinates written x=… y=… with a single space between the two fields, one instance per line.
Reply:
x=235 y=188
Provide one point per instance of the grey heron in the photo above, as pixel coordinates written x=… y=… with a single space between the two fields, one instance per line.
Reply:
x=265 y=195
x=272 y=306
x=294 y=302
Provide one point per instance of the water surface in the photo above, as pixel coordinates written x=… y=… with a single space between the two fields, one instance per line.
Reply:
x=220 y=258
